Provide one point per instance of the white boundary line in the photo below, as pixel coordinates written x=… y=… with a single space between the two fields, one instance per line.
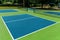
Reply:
x=7 y=29
x=36 y=31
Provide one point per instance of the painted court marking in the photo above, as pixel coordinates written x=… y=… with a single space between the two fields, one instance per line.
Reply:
x=37 y=31
x=20 y=19
x=7 y=29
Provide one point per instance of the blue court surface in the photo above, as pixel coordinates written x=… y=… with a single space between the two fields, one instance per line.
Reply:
x=54 y=13
x=20 y=25
x=7 y=10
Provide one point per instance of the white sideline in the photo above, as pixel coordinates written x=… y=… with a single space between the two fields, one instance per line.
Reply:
x=7 y=29
x=37 y=31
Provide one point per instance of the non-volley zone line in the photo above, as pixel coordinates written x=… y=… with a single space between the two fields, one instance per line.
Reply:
x=20 y=19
